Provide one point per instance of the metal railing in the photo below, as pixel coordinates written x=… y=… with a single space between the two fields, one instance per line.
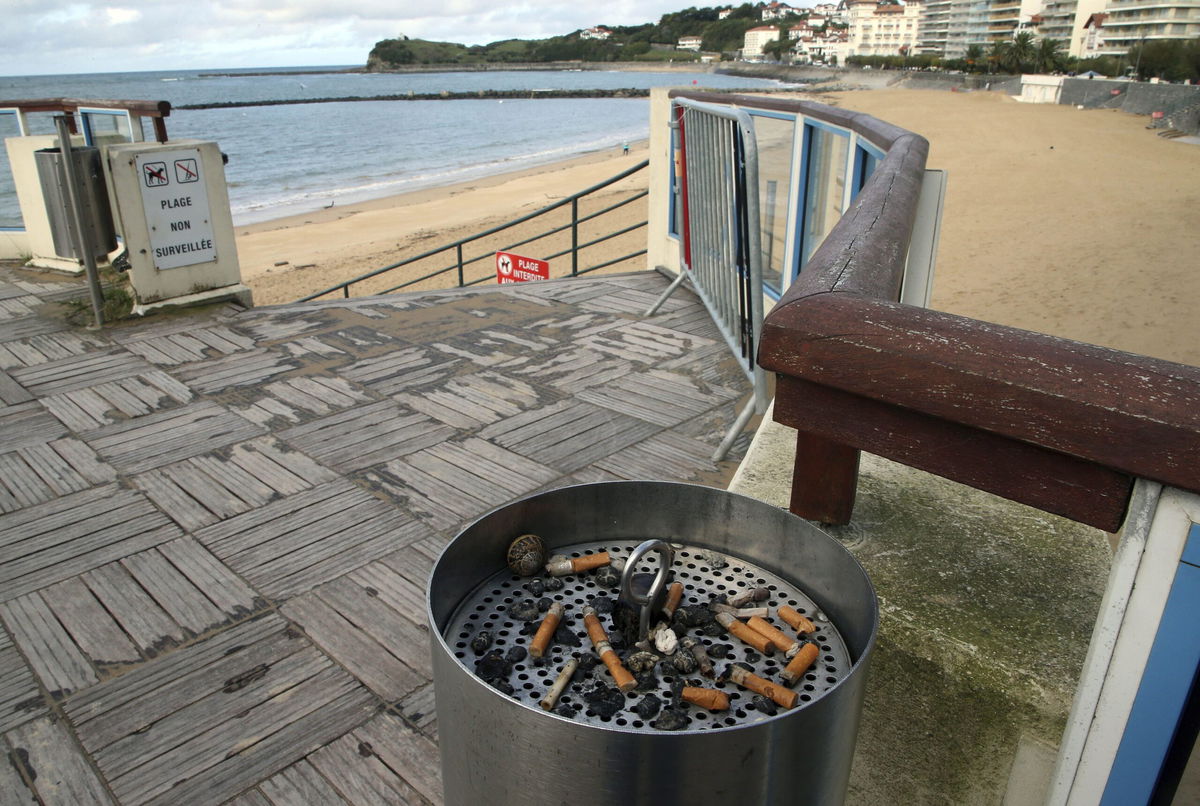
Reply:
x=459 y=265
x=1059 y=425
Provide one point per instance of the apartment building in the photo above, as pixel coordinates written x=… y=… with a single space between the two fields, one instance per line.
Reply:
x=756 y=39
x=1127 y=23
x=882 y=28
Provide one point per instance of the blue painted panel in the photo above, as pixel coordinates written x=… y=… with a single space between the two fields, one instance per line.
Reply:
x=1161 y=697
x=1191 y=549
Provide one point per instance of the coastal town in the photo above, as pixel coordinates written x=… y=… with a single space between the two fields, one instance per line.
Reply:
x=1110 y=37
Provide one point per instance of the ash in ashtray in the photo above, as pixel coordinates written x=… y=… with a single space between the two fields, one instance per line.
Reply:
x=728 y=643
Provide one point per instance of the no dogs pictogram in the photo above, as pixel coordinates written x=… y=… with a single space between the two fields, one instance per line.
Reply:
x=155 y=174
x=186 y=171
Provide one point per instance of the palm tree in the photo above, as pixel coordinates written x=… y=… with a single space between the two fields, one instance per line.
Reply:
x=1021 y=52
x=1048 y=55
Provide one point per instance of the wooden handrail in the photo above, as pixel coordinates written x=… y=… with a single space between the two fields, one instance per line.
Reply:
x=1060 y=425
x=156 y=110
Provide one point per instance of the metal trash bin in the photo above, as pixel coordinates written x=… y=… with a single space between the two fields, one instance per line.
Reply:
x=93 y=201
x=503 y=749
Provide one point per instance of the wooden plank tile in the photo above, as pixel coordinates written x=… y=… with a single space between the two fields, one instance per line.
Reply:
x=282 y=468
x=52 y=655
x=60 y=773
x=364 y=436
x=406 y=752
x=50 y=542
x=89 y=624
x=292 y=733
x=12 y=392
x=403 y=638
x=27 y=424
x=419 y=708
x=399 y=370
x=300 y=785
x=20 y=698
x=352 y=767
x=569 y=435
x=204 y=723
x=106 y=713
x=185 y=603
x=394 y=589
x=146 y=623
x=79 y=372
x=222 y=587
x=241 y=369
x=382 y=672
x=13 y=790
x=251 y=797
x=25 y=328
x=169 y=436
x=173 y=500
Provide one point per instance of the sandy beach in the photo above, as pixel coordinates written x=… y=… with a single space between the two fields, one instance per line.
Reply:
x=1081 y=224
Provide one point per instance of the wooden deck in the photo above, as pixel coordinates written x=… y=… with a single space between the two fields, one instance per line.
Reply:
x=216 y=529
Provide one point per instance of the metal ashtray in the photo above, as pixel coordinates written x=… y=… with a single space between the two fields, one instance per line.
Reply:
x=518 y=729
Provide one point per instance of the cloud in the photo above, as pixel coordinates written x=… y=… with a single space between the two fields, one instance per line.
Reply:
x=187 y=34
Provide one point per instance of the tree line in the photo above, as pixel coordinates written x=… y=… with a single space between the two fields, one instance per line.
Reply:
x=1170 y=60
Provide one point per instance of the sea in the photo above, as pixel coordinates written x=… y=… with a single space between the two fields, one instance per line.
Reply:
x=294 y=158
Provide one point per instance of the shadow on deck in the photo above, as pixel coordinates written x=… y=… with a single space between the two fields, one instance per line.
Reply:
x=217 y=528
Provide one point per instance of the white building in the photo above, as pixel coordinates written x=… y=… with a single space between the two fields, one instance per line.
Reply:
x=777 y=11
x=723 y=13
x=690 y=42
x=882 y=29
x=597 y=32
x=756 y=39
x=1130 y=22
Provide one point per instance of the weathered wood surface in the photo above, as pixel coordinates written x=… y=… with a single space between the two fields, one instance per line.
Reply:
x=215 y=536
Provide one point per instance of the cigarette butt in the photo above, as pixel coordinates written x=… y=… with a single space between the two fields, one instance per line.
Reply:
x=796 y=621
x=589 y=561
x=674 y=597
x=799 y=663
x=746 y=597
x=700 y=654
x=745 y=634
x=541 y=639
x=740 y=612
x=780 y=695
x=624 y=679
x=778 y=639
x=560 y=684
x=709 y=698
x=560 y=565
x=621 y=676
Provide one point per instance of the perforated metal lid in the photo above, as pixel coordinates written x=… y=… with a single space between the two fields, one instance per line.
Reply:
x=705 y=574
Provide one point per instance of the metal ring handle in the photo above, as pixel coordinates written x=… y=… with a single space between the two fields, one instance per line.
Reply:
x=666 y=556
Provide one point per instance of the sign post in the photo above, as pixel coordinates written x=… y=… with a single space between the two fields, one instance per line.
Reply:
x=512 y=268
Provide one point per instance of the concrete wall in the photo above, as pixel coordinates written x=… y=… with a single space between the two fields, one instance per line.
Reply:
x=662 y=250
x=986 y=610
x=1179 y=103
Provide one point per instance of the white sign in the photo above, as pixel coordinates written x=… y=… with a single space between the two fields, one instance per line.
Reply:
x=175 y=199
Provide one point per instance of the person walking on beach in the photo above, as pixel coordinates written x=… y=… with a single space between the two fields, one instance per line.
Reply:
x=625 y=149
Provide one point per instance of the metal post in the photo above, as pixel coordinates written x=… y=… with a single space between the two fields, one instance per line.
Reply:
x=574 y=237
x=460 y=266
x=82 y=241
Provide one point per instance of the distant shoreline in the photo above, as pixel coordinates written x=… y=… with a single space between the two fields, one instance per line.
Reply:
x=499 y=67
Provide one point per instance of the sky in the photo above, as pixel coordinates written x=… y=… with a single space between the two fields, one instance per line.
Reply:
x=52 y=36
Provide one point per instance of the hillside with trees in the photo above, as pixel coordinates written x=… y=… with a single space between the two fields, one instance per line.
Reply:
x=648 y=42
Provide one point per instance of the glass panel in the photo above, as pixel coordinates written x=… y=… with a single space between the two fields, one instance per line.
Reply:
x=775 y=144
x=108 y=128
x=827 y=152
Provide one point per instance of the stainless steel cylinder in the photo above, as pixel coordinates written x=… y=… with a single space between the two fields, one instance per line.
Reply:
x=497 y=750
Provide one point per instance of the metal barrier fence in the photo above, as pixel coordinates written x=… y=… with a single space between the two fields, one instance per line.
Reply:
x=720 y=235
x=462 y=263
